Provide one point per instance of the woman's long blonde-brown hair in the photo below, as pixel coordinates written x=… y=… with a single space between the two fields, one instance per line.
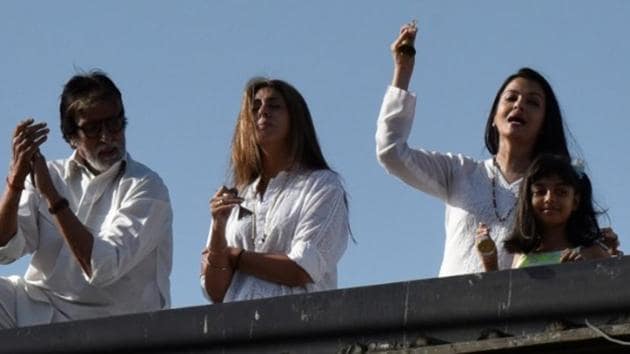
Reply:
x=246 y=162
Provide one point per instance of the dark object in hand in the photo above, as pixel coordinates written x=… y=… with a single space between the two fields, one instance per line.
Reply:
x=407 y=49
x=58 y=206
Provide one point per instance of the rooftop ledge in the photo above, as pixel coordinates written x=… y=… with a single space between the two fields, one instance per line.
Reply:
x=532 y=310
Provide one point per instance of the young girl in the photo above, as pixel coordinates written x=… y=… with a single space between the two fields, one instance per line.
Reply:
x=555 y=220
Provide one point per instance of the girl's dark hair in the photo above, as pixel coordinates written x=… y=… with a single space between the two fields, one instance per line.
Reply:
x=551 y=138
x=582 y=226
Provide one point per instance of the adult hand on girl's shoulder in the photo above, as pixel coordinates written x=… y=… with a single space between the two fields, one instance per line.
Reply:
x=605 y=247
x=611 y=241
x=594 y=251
x=571 y=255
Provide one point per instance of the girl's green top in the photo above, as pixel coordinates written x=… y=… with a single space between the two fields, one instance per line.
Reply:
x=539 y=258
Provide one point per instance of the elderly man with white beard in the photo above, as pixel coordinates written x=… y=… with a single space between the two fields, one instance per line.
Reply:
x=98 y=224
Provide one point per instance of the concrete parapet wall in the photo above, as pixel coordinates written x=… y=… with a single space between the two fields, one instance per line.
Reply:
x=393 y=317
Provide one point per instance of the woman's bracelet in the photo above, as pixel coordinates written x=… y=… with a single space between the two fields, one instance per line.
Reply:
x=13 y=187
x=217 y=267
x=221 y=252
x=237 y=260
x=213 y=265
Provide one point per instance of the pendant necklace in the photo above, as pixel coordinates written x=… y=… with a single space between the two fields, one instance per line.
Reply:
x=266 y=231
x=497 y=170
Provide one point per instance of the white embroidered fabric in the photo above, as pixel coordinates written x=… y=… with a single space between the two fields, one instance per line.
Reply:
x=304 y=215
x=464 y=184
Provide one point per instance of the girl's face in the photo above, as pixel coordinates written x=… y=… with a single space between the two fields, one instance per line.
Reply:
x=553 y=201
x=520 y=111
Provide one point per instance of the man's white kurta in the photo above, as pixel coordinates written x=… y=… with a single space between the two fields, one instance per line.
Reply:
x=127 y=209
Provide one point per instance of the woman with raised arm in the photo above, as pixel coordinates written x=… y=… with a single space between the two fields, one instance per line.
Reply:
x=524 y=122
x=284 y=226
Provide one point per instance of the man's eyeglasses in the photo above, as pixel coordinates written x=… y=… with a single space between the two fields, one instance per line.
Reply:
x=113 y=125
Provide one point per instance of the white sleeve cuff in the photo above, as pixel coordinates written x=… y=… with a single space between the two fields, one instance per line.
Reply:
x=309 y=258
x=399 y=93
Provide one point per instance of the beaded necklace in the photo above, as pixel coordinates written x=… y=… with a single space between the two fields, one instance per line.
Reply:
x=497 y=170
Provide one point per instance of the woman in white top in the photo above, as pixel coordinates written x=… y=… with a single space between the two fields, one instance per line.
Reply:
x=524 y=121
x=284 y=227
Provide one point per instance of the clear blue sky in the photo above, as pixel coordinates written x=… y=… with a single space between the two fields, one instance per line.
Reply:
x=181 y=66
